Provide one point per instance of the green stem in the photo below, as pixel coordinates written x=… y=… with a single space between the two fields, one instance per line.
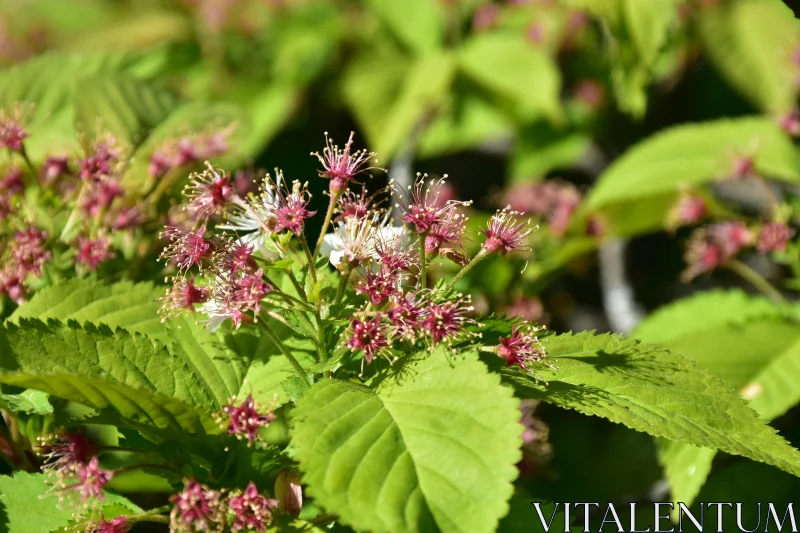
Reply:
x=326 y=223
x=343 y=284
x=166 y=182
x=282 y=347
x=292 y=299
x=32 y=168
x=756 y=280
x=322 y=342
x=298 y=288
x=309 y=257
x=422 y=281
x=475 y=260
x=153 y=515
x=156 y=466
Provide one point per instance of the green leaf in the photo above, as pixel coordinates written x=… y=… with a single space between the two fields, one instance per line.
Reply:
x=29 y=401
x=650 y=389
x=425 y=87
x=219 y=370
x=431 y=448
x=92 y=365
x=269 y=368
x=508 y=66
x=124 y=106
x=269 y=110
x=131 y=306
x=27 y=507
x=751 y=43
x=707 y=152
x=540 y=148
x=418 y=24
x=467 y=120
x=638 y=31
x=49 y=80
x=370 y=86
x=751 y=343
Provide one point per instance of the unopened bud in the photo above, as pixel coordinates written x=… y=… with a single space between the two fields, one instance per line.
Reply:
x=289 y=492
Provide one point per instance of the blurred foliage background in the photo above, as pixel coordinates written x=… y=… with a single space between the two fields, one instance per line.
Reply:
x=555 y=107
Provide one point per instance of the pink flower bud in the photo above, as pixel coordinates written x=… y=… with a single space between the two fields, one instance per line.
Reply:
x=289 y=492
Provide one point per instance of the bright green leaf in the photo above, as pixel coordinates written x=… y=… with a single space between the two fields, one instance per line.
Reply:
x=650 y=389
x=125 y=106
x=418 y=24
x=218 y=368
x=509 y=66
x=100 y=368
x=751 y=42
x=29 y=401
x=707 y=152
x=131 y=306
x=431 y=448
x=751 y=343
x=424 y=89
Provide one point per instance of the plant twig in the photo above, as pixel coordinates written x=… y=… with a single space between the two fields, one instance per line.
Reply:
x=282 y=347
x=325 y=224
x=756 y=280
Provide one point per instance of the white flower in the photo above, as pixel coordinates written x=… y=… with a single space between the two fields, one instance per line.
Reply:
x=253 y=218
x=356 y=240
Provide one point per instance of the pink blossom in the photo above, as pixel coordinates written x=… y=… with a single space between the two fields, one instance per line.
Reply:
x=379 y=287
x=160 y=164
x=208 y=192
x=182 y=295
x=591 y=93
x=448 y=229
x=689 y=209
x=790 y=123
x=506 y=233
x=186 y=248
x=354 y=207
x=712 y=246
x=485 y=17
x=536 y=33
x=101 y=161
x=446 y=321
x=422 y=206
x=196 y=508
x=92 y=480
x=251 y=510
x=405 y=315
x=12 y=182
x=743 y=167
x=68 y=452
x=773 y=237
x=244 y=420
x=293 y=209
x=340 y=166
x=120 y=524
x=28 y=251
x=522 y=348
x=92 y=252
x=367 y=336
x=54 y=167
x=12 y=129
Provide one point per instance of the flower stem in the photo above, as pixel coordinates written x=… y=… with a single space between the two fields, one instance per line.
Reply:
x=322 y=342
x=475 y=260
x=298 y=288
x=343 y=284
x=32 y=168
x=326 y=223
x=309 y=257
x=153 y=515
x=756 y=280
x=422 y=281
x=282 y=347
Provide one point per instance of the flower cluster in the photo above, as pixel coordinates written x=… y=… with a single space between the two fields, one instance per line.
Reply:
x=554 y=201
x=88 y=208
x=199 y=508
x=231 y=271
x=72 y=459
x=713 y=246
x=187 y=150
